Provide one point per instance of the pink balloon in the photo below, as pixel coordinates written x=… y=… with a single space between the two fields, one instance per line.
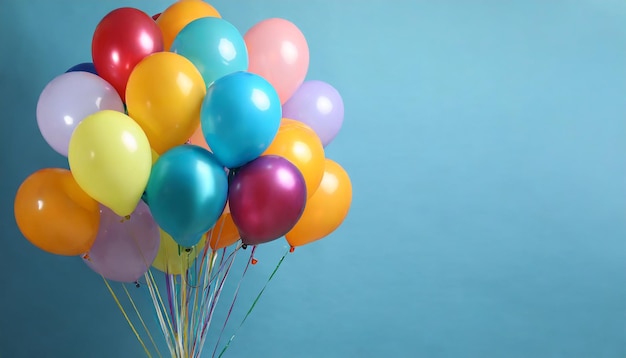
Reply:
x=124 y=248
x=278 y=52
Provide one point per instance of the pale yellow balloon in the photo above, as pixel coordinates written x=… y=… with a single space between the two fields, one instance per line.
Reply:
x=173 y=259
x=110 y=159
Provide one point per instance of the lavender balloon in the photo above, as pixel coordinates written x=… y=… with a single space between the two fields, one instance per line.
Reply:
x=320 y=106
x=67 y=100
x=124 y=248
x=266 y=199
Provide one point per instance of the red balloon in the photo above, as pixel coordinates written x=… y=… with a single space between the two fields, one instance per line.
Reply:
x=123 y=38
x=266 y=199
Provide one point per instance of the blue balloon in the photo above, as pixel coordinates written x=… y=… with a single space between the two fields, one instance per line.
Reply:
x=84 y=67
x=214 y=46
x=240 y=117
x=187 y=192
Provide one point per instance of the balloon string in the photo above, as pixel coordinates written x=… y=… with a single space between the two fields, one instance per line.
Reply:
x=189 y=308
x=170 y=301
x=161 y=310
x=209 y=294
x=223 y=260
x=183 y=312
x=198 y=301
x=209 y=263
x=216 y=297
x=204 y=255
x=220 y=279
x=119 y=305
x=143 y=323
x=190 y=304
x=205 y=273
x=253 y=305
x=155 y=293
x=174 y=301
x=219 y=234
x=194 y=317
x=203 y=276
x=171 y=293
x=232 y=305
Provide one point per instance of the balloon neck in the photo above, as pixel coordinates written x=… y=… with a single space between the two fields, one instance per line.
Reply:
x=292 y=249
x=86 y=257
x=244 y=246
x=137 y=284
x=125 y=218
x=231 y=173
x=254 y=261
x=182 y=249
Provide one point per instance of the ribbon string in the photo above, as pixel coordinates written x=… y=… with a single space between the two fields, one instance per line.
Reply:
x=256 y=300
x=185 y=310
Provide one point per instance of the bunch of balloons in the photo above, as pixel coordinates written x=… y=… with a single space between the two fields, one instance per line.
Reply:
x=178 y=125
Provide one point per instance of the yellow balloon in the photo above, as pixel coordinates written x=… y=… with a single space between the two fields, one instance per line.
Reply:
x=110 y=159
x=173 y=259
x=164 y=95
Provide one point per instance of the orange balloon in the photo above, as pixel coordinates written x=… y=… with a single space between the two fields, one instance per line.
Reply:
x=224 y=233
x=326 y=209
x=55 y=214
x=198 y=139
x=179 y=14
x=303 y=148
x=285 y=122
x=164 y=96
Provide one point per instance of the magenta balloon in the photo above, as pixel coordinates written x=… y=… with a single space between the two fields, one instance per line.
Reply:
x=320 y=106
x=124 y=248
x=266 y=199
x=67 y=100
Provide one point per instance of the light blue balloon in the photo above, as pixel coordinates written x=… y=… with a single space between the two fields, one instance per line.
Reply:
x=240 y=117
x=187 y=192
x=214 y=46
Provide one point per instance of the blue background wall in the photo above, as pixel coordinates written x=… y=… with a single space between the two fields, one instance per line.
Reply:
x=486 y=141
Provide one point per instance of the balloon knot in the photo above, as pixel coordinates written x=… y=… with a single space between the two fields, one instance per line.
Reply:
x=86 y=257
x=244 y=246
x=254 y=261
x=137 y=284
x=292 y=249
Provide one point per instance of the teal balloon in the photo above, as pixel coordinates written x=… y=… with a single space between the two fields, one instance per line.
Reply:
x=214 y=46
x=240 y=117
x=187 y=192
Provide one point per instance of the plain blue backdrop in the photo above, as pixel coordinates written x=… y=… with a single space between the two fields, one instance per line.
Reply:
x=486 y=142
